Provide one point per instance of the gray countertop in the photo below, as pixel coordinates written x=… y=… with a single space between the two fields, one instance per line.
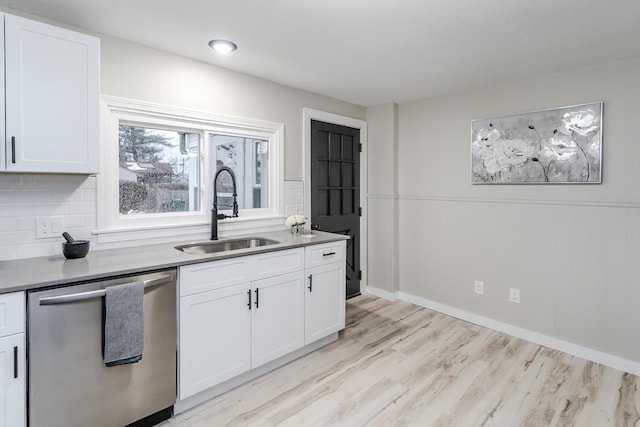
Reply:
x=33 y=273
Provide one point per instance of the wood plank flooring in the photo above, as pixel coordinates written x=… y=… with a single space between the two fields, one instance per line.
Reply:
x=397 y=364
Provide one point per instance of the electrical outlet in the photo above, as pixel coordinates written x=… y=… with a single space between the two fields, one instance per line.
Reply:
x=48 y=226
x=478 y=287
x=514 y=295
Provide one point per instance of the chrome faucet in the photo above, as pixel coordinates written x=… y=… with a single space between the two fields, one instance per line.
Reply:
x=215 y=216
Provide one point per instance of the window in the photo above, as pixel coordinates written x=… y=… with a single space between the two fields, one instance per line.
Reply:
x=159 y=170
x=248 y=158
x=158 y=165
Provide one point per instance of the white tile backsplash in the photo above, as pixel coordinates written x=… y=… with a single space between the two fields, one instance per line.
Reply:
x=294 y=197
x=8 y=224
x=23 y=197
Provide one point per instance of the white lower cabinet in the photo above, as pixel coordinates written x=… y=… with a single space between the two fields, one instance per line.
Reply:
x=12 y=361
x=215 y=337
x=325 y=274
x=12 y=381
x=241 y=313
x=324 y=301
x=231 y=323
x=278 y=317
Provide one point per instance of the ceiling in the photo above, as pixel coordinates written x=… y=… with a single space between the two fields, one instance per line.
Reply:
x=370 y=52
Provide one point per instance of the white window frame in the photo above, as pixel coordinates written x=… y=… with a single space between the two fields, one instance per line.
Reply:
x=113 y=227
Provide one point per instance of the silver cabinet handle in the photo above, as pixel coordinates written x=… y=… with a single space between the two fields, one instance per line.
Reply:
x=98 y=293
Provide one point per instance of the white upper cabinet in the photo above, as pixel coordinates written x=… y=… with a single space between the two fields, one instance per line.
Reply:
x=51 y=99
x=5 y=146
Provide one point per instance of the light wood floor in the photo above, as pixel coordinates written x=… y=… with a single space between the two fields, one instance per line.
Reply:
x=397 y=364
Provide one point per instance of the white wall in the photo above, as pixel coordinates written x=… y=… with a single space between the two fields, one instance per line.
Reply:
x=572 y=250
x=134 y=71
x=382 y=203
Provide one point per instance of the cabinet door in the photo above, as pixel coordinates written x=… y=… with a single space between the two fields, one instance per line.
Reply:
x=3 y=151
x=278 y=317
x=52 y=90
x=12 y=381
x=215 y=337
x=12 y=312
x=324 y=301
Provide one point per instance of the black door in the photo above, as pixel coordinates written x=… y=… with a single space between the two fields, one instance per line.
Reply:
x=335 y=189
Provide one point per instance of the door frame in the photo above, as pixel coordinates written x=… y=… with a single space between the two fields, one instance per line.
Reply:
x=309 y=114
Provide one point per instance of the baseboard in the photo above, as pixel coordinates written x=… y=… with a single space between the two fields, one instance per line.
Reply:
x=597 y=356
x=381 y=293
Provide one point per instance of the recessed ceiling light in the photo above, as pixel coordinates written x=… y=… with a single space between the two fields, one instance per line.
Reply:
x=222 y=46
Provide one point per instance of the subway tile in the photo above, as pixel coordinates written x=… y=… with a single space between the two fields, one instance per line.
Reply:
x=8 y=253
x=89 y=183
x=76 y=196
x=33 y=250
x=7 y=224
x=90 y=221
x=89 y=195
x=24 y=223
x=74 y=221
x=6 y=196
x=34 y=209
x=11 y=238
x=23 y=197
x=15 y=182
x=42 y=196
x=82 y=207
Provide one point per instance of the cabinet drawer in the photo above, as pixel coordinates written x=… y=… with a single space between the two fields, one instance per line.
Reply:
x=325 y=253
x=275 y=263
x=12 y=307
x=214 y=275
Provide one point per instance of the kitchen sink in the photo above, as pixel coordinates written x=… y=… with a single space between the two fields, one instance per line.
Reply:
x=225 y=245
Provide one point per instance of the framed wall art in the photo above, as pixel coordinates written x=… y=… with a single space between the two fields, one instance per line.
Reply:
x=556 y=146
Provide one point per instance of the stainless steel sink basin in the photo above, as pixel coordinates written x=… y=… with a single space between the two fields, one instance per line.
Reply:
x=225 y=245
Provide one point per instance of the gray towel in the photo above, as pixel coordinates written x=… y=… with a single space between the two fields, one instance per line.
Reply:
x=123 y=324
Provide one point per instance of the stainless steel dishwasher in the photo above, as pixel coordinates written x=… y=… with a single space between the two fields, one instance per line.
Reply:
x=69 y=384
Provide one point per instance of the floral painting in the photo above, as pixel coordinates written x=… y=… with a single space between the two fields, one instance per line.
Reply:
x=562 y=145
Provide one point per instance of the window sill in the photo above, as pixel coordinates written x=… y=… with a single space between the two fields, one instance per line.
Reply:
x=138 y=236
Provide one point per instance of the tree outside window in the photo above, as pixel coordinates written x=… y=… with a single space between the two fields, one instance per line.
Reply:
x=158 y=170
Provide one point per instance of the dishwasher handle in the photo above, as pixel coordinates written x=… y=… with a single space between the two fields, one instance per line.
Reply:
x=98 y=293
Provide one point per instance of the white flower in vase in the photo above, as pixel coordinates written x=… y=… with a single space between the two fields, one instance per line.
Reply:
x=296 y=222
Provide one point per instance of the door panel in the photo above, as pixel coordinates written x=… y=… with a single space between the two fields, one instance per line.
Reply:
x=52 y=98
x=324 y=301
x=12 y=381
x=335 y=189
x=215 y=337
x=277 y=323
